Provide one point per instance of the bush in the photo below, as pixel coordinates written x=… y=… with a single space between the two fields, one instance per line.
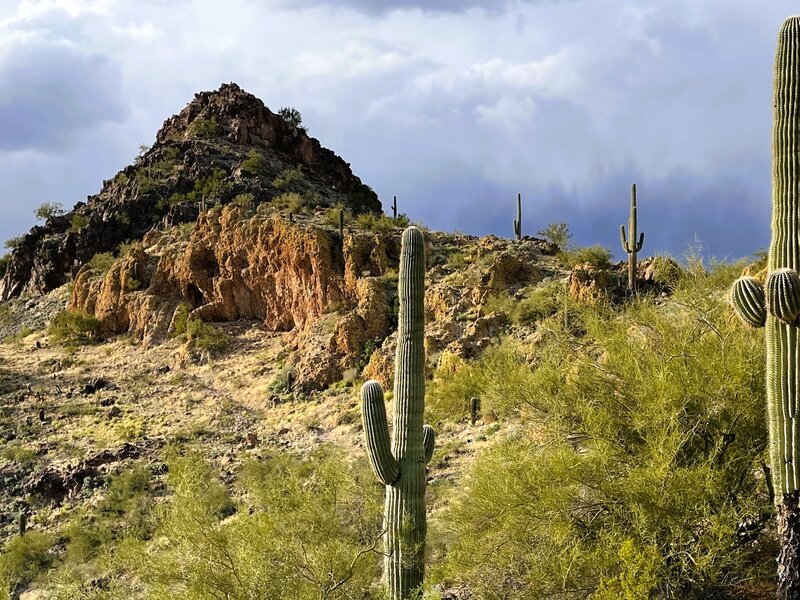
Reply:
x=292 y=116
x=636 y=462
x=287 y=177
x=597 y=256
x=4 y=262
x=14 y=242
x=77 y=222
x=198 y=335
x=23 y=559
x=48 y=210
x=556 y=233
x=254 y=164
x=290 y=200
x=101 y=262
x=310 y=526
x=202 y=128
x=74 y=327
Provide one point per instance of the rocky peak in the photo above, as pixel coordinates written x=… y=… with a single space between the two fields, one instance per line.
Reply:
x=224 y=146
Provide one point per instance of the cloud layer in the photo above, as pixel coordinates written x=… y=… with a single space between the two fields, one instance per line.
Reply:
x=454 y=109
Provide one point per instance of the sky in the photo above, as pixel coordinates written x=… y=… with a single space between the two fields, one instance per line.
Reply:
x=454 y=106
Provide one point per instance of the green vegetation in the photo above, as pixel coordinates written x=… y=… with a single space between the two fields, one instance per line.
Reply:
x=23 y=558
x=199 y=336
x=48 y=210
x=293 y=117
x=254 y=164
x=72 y=327
x=380 y=222
x=640 y=453
x=204 y=129
x=4 y=262
x=287 y=177
x=597 y=256
x=14 y=242
x=556 y=233
x=537 y=304
x=77 y=222
x=101 y=262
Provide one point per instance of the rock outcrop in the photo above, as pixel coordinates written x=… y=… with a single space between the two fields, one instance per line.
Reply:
x=223 y=145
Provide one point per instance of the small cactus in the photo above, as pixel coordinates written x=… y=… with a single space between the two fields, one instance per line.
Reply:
x=631 y=246
x=394 y=208
x=400 y=463
x=518 y=220
x=291 y=217
x=22 y=522
x=341 y=223
x=474 y=409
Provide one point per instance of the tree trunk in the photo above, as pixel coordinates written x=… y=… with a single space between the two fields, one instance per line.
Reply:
x=789 y=540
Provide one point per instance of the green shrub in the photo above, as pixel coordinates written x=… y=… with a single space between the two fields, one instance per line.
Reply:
x=209 y=186
x=597 y=256
x=23 y=559
x=101 y=262
x=380 y=222
x=48 y=210
x=74 y=327
x=77 y=222
x=4 y=262
x=305 y=529
x=17 y=453
x=636 y=462
x=292 y=116
x=198 y=335
x=287 y=177
x=14 y=242
x=244 y=201
x=202 y=128
x=254 y=164
x=556 y=233
x=291 y=201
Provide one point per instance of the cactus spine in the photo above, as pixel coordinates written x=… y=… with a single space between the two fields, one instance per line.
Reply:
x=394 y=208
x=400 y=466
x=779 y=307
x=631 y=246
x=518 y=220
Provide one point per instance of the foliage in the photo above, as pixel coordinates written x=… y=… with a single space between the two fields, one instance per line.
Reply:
x=14 y=242
x=48 y=210
x=597 y=256
x=202 y=128
x=288 y=176
x=23 y=558
x=292 y=201
x=639 y=454
x=556 y=233
x=101 y=262
x=244 y=201
x=77 y=222
x=380 y=222
x=4 y=262
x=537 y=304
x=362 y=199
x=74 y=327
x=305 y=529
x=254 y=164
x=198 y=335
x=293 y=117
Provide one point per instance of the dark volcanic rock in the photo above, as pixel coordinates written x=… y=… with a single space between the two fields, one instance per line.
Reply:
x=200 y=153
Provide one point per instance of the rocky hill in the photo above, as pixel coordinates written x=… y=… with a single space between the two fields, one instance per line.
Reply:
x=222 y=147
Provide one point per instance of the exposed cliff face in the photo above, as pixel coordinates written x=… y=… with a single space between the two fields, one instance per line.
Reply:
x=223 y=145
x=288 y=276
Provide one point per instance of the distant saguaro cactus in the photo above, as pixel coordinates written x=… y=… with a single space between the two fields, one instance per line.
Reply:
x=518 y=220
x=394 y=208
x=631 y=246
x=400 y=466
x=474 y=409
x=22 y=522
x=779 y=308
x=341 y=223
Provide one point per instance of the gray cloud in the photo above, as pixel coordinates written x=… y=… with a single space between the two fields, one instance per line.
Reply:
x=52 y=92
x=380 y=7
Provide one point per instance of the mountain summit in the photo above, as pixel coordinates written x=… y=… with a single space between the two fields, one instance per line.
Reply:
x=224 y=146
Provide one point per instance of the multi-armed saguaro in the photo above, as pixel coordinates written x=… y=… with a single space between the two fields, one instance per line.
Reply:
x=631 y=246
x=518 y=220
x=401 y=465
x=779 y=307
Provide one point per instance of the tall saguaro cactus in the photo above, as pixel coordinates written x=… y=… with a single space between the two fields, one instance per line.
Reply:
x=400 y=466
x=779 y=307
x=394 y=208
x=631 y=246
x=518 y=220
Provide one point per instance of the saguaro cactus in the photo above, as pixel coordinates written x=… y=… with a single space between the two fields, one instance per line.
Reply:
x=400 y=466
x=631 y=246
x=394 y=208
x=341 y=223
x=518 y=220
x=779 y=308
